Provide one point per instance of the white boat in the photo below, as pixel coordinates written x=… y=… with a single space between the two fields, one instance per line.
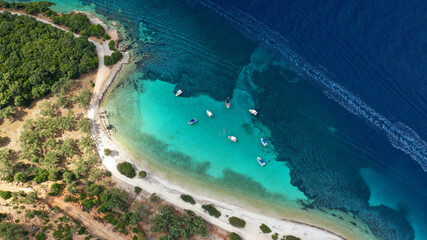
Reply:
x=178 y=93
x=253 y=111
x=264 y=142
x=209 y=113
x=232 y=138
x=227 y=102
x=260 y=161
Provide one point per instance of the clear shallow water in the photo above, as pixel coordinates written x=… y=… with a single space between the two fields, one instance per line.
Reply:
x=326 y=147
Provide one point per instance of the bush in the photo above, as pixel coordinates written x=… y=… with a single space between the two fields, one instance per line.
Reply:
x=41 y=178
x=126 y=169
x=275 y=236
x=265 y=229
x=112 y=45
x=237 y=222
x=108 y=174
x=56 y=189
x=107 y=152
x=212 y=210
x=142 y=174
x=20 y=177
x=188 y=198
x=41 y=236
x=5 y=194
x=290 y=237
x=234 y=236
x=154 y=198
x=106 y=36
x=137 y=190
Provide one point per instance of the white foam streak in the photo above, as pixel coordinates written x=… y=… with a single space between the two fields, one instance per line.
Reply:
x=400 y=136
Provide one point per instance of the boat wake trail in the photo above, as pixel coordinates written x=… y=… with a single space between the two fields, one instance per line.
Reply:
x=400 y=136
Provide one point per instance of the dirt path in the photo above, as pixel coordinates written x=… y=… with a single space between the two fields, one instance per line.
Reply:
x=6 y=187
x=91 y=224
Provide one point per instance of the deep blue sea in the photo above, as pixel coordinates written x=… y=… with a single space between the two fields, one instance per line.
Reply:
x=340 y=87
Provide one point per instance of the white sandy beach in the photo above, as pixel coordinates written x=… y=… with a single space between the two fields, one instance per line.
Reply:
x=170 y=192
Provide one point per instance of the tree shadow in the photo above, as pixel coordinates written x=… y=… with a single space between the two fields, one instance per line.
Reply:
x=4 y=141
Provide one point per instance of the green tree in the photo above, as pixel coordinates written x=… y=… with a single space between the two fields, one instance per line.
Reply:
x=67 y=148
x=85 y=125
x=112 y=45
x=114 y=199
x=46 y=109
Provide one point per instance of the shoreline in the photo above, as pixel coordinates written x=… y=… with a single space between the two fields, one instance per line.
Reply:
x=169 y=192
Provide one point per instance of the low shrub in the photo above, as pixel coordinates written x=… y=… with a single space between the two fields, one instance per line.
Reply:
x=212 y=210
x=5 y=194
x=275 y=236
x=237 y=222
x=265 y=229
x=290 y=237
x=137 y=190
x=20 y=177
x=126 y=169
x=154 y=198
x=43 y=177
x=142 y=174
x=56 y=189
x=234 y=236
x=107 y=152
x=188 y=198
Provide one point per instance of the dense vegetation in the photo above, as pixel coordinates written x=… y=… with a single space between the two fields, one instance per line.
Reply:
x=34 y=56
x=10 y=231
x=188 y=198
x=126 y=169
x=212 y=210
x=76 y=22
x=113 y=59
x=30 y=8
x=175 y=226
x=265 y=229
x=142 y=174
x=237 y=222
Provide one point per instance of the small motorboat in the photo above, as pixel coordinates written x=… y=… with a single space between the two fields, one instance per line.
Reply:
x=178 y=93
x=209 y=113
x=227 y=102
x=232 y=138
x=261 y=161
x=264 y=142
x=253 y=111
x=192 y=121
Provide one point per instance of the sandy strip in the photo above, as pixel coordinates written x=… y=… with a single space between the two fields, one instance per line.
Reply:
x=169 y=192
